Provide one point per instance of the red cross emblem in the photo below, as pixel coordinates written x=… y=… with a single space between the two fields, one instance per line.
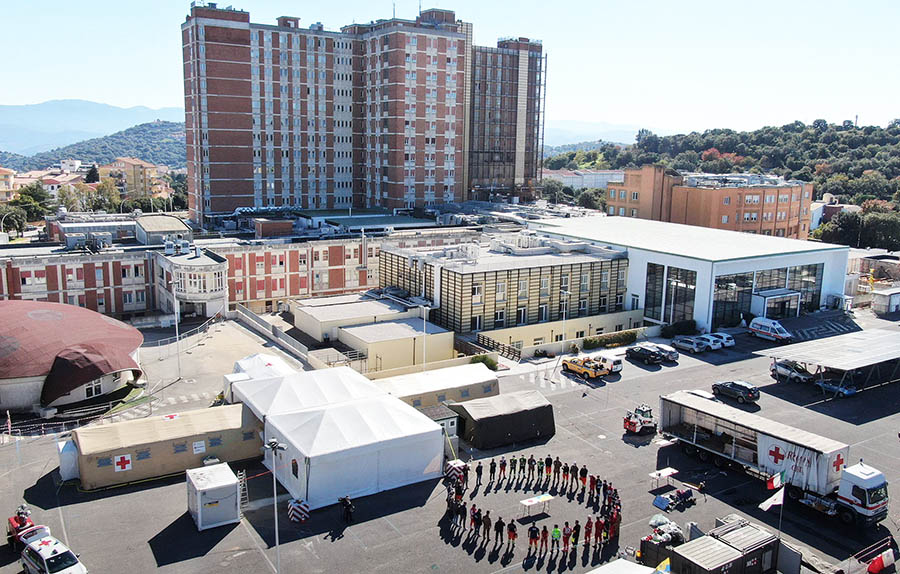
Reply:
x=776 y=455
x=268 y=364
x=838 y=462
x=44 y=542
x=170 y=417
x=123 y=462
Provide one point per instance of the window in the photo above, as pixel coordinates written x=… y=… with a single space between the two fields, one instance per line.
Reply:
x=538 y=341
x=603 y=304
x=101 y=301
x=563 y=309
x=619 y=327
x=92 y=390
x=523 y=289
x=611 y=210
x=501 y=290
x=542 y=313
x=579 y=334
x=622 y=211
x=634 y=213
x=724 y=219
x=564 y=283
x=486 y=389
x=634 y=196
x=139 y=296
x=475 y=323
x=726 y=200
x=98 y=274
x=295 y=468
x=441 y=398
x=635 y=302
x=604 y=280
x=545 y=286
x=127 y=297
x=585 y=283
x=476 y=293
x=521 y=316
x=417 y=402
x=623 y=194
x=499 y=319
x=582 y=307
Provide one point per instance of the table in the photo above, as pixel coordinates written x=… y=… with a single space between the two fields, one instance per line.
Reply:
x=666 y=473
x=542 y=499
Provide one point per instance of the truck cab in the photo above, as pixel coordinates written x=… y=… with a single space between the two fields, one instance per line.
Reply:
x=863 y=490
x=586 y=367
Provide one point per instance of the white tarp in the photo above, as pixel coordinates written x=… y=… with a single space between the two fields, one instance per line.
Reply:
x=262 y=365
x=303 y=390
x=803 y=467
x=354 y=449
x=68 y=460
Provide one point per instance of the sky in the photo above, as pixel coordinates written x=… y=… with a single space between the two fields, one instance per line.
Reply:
x=671 y=66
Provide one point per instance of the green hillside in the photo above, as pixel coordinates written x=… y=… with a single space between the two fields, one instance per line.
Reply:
x=157 y=142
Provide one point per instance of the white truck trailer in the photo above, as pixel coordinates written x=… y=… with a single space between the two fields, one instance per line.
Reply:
x=815 y=469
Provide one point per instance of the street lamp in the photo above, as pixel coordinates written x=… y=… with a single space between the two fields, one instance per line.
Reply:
x=273 y=445
x=173 y=285
x=2 y=219
x=565 y=294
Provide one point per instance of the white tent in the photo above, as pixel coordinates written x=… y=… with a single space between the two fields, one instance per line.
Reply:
x=303 y=390
x=355 y=448
x=262 y=365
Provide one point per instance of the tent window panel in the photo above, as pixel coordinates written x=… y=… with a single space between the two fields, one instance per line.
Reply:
x=215 y=441
x=247 y=435
x=143 y=454
x=295 y=468
x=179 y=447
x=105 y=461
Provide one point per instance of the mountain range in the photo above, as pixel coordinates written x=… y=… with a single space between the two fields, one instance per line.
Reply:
x=35 y=128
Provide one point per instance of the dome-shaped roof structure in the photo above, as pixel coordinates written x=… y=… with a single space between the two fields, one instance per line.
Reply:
x=67 y=345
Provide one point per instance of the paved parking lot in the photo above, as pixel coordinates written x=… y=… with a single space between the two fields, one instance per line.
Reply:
x=145 y=528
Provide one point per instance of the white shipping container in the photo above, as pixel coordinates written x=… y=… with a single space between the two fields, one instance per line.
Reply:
x=213 y=496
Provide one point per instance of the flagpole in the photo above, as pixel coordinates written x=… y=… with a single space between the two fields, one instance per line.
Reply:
x=780 y=512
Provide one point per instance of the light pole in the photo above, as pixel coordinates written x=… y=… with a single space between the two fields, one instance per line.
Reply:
x=2 y=219
x=565 y=294
x=174 y=286
x=273 y=445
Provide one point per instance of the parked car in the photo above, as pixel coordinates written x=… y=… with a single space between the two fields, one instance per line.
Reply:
x=644 y=355
x=669 y=353
x=584 y=367
x=790 y=370
x=726 y=339
x=612 y=364
x=690 y=344
x=46 y=554
x=769 y=329
x=714 y=343
x=703 y=394
x=741 y=391
x=835 y=388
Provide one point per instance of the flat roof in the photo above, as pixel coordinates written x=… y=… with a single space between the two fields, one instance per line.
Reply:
x=707 y=552
x=160 y=223
x=753 y=422
x=843 y=352
x=353 y=310
x=382 y=221
x=439 y=379
x=888 y=291
x=778 y=292
x=691 y=241
x=392 y=330
x=190 y=257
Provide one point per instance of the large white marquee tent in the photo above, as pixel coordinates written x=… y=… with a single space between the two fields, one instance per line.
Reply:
x=343 y=434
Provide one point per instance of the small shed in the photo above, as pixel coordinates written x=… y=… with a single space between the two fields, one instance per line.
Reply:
x=886 y=301
x=505 y=419
x=162 y=445
x=758 y=546
x=430 y=388
x=213 y=496
x=706 y=555
x=449 y=422
x=153 y=229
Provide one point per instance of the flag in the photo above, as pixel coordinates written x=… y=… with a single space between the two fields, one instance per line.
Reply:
x=775 y=481
x=664 y=566
x=777 y=499
x=8 y=424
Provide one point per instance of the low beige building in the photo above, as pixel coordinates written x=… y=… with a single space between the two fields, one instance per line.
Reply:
x=321 y=317
x=568 y=330
x=431 y=388
x=400 y=343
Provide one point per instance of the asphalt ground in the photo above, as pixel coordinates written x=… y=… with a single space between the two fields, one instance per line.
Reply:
x=145 y=527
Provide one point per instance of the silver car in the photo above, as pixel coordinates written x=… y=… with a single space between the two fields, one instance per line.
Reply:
x=690 y=344
x=668 y=353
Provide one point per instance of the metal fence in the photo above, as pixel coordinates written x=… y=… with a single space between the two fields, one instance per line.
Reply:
x=187 y=340
x=272 y=332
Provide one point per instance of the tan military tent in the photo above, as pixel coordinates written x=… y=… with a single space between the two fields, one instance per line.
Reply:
x=162 y=445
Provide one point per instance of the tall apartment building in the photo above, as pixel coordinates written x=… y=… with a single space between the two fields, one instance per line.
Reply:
x=377 y=114
x=749 y=203
x=507 y=118
x=135 y=176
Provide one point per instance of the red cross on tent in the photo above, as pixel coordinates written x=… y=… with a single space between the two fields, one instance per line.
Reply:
x=776 y=455
x=123 y=462
x=170 y=417
x=838 y=462
x=268 y=364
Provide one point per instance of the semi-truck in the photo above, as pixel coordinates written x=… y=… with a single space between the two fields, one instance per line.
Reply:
x=815 y=471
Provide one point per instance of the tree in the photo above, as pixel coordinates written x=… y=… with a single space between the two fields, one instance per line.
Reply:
x=68 y=199
x=880 y=230
x=16 y=218
x=34 y=201
x=592 y=199
x=844 y=229
x=93 y=175
x=551 y=189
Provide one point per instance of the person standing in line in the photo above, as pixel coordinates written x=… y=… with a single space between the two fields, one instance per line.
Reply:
x=522 y=463
x=476 y=523
x=533 y=534
x=461 y=512
x=465 y=472
x=567 y=537
x=531 y=463
x=499 y=526
x=545 y=534
x=511 y=533
x=588 y=530
x=582 y=474
x=593 y=487
x=486 y=525
x=548 y=463
x=458 y=488
x=513 y=461
x=603 y=493
x=557 y=464
x=555 y=535
x=492 y=470
x=573 y=472
x=478 y=470
x=472 y=511
x=565 y=475
x=598 y=530
x=576 y=532
x=540 y=469
x=502 y=469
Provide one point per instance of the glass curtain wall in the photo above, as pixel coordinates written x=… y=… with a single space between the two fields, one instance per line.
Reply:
x=653 y=293
x=770 y=279
x=732 y=297
x=807 y=279
x=681 y=285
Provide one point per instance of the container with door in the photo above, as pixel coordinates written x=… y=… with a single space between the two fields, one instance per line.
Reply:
x=737 y=547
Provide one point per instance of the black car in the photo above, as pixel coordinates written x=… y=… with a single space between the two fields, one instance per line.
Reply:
x=646 y=355
x=742 y=391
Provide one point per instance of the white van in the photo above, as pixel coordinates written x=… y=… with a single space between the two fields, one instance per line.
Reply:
x=769 y=329
x=612 y=364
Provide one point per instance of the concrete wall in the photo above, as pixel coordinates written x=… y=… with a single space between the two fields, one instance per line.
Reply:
x=396 y=353
x=318 y=329
x=20 y=394
x=548 y=331
x=431 y=366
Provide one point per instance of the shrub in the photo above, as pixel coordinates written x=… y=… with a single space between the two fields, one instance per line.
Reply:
x=488 y=362
x=688 y=327
x=610 y=339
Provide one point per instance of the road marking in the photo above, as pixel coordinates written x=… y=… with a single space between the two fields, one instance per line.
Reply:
x=184 y=399
x=195 y=397
x=171 y=400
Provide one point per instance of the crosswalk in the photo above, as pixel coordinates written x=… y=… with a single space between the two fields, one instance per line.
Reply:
x=146 y=409
x=547 y=379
